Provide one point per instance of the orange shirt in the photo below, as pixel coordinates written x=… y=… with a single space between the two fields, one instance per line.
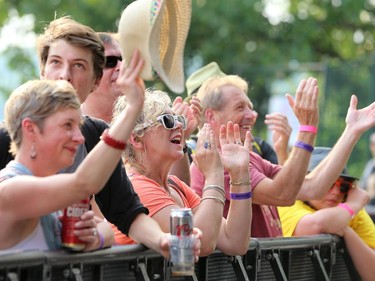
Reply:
x=156 y=198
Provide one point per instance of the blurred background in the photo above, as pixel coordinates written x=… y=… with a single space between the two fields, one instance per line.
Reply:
x=270 y=43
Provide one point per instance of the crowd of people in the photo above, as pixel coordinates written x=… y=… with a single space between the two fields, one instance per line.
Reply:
x=88 y=128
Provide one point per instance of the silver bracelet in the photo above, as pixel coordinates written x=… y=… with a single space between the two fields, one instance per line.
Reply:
x=239 y=183
x=215 y=187
x=219 y=200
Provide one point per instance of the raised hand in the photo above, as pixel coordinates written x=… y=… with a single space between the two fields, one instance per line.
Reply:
x=234 y=155
x=305 y=105
x=206 y=156
x=130 y=81
x=281 y=131
x=360 y=119
x=192 y=112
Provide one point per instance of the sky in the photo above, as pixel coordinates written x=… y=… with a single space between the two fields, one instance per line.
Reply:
x=16 y=32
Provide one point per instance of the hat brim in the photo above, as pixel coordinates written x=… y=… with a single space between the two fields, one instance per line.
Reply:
x=349 y=178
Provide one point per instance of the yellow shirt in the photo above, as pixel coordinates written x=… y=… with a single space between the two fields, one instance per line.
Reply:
x=361 y=223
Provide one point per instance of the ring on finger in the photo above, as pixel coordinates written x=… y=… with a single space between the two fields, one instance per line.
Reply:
x=207 y=144
x=94 y=232
x=238 y=142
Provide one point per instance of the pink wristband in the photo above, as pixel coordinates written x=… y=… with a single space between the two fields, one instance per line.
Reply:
x=348 y=208
x=308 y=128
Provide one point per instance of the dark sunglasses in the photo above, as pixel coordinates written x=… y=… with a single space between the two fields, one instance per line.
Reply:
x=111 y=61
x=344 y=185
x=169 y=121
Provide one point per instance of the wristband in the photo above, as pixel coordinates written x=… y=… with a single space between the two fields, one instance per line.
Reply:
x=101 y=239
x=308 y=128
x=111 y=141
x=304 y=146
x=240 y=196
x=348 y=208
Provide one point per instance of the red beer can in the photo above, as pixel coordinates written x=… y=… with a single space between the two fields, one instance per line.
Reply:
x=72 y=214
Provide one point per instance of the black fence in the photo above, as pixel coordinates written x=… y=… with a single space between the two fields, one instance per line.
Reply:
x=320 y=257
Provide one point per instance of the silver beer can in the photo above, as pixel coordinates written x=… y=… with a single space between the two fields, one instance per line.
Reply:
x=182 y=242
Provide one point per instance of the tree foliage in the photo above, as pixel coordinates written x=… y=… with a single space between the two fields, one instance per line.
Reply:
x=331 y=39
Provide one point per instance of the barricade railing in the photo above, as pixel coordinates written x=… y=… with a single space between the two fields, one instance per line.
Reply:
x=320 y=257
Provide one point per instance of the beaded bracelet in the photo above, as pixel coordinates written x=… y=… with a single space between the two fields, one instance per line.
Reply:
x=220 y=200
x=218 y=188
x=110 y=141
x=239 y=183
x=241 y=196
x=308 y=128
x=101 y=239
x=304 y=146
x=348 y=208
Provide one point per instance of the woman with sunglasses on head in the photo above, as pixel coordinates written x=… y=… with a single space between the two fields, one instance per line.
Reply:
x=341 y=212
x=157 y=142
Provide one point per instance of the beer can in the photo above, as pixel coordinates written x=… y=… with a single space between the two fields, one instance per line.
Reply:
x=181 y=222
x=182 y=242
x=72 y=214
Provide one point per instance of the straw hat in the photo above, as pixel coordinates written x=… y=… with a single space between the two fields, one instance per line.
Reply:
x=319 y=154
x=197 y=78
x=158 y=28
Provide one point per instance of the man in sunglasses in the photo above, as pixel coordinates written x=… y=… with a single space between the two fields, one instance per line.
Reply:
x=341 y=212
x=100 y=102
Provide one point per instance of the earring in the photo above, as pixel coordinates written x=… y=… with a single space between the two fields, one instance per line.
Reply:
x=32 y=152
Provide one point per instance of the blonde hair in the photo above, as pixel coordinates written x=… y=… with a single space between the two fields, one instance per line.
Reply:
x=37 y=100
x=210 y=93
x=156 y=103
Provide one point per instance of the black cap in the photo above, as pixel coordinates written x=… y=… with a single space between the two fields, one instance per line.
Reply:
x=319 y=154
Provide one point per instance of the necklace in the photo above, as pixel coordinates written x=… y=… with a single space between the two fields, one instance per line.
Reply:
x=168 y=190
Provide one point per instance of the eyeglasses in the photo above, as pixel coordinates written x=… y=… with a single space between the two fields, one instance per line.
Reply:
x=111 y=61
x=169 y=121
x=344 y=185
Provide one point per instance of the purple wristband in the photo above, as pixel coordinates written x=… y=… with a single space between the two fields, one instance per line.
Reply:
x=305 y=146
x=240 y=196
x=101 y=239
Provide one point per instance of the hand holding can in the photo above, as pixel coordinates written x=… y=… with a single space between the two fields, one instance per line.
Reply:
x=72 y=214
x=182 y=242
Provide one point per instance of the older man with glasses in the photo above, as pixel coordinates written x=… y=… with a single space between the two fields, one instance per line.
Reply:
x=100 y=102
x=341 y=212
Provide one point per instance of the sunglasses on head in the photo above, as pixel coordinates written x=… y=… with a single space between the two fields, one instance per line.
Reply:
x=169 y=121
x=111 y=61
x=344 y=185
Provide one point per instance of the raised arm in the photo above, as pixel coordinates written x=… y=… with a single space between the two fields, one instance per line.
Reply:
x=321 y=178
x=236 y=229
x=40 y=196
x=192 y=111
x=283 y=189
x=281 y=131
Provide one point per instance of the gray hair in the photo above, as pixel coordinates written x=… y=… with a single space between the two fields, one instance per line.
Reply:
x=210 y=93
